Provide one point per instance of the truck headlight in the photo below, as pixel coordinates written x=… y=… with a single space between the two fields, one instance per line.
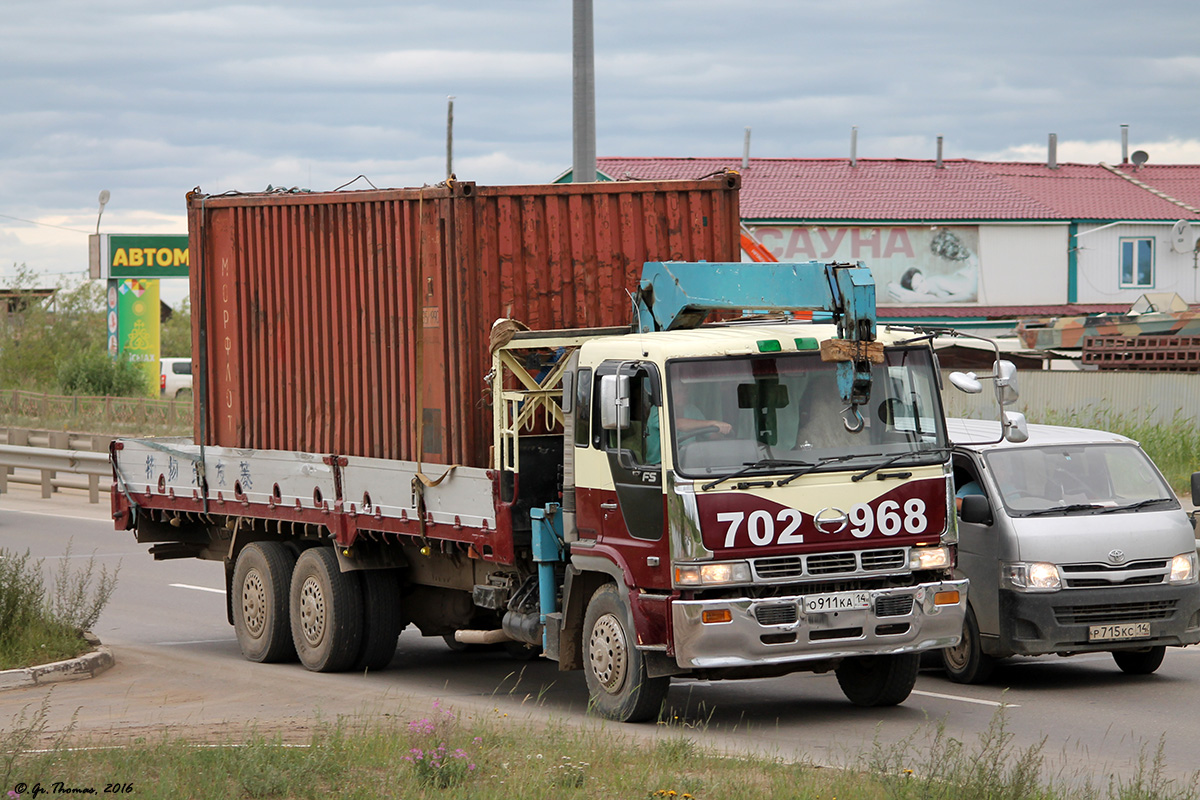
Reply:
x=1037 y=576
x=1183 y=568
x=929 y=558
x=712 y=574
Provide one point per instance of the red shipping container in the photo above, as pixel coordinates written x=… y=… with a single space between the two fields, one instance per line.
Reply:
x=357 y=323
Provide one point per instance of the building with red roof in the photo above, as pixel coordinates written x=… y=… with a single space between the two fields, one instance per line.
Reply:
x=973 y=242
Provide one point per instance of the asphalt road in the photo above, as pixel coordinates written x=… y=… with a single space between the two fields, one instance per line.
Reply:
x=178 y=667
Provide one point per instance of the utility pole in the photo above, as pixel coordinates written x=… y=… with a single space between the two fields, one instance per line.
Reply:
x=583 y=164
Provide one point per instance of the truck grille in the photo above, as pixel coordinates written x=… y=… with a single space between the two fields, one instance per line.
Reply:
x=777 y=614
x=1115 y=612
x=1137 y=573
x=897 y=606
x=774 y=568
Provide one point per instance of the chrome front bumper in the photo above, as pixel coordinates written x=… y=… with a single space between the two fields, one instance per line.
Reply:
x=775 y=630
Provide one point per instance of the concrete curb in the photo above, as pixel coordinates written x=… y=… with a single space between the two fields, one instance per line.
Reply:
x=88 y=665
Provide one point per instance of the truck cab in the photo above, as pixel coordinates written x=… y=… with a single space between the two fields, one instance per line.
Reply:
x=1073 y=543
x=743 y=519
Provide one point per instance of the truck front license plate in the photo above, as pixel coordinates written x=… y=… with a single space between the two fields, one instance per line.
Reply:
x=1115 y=633
x=841 y=601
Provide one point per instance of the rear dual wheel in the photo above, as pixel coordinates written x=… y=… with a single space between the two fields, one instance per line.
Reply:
x=261 y=580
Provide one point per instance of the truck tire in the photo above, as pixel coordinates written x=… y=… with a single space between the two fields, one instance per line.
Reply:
x=872 y=681
x=381 y=618
x=1140 y=662
x=261 y=579
x=326 y=611
x=618 y=686
x=966 y=662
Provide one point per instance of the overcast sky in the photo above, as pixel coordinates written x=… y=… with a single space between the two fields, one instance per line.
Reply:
x=150 y=98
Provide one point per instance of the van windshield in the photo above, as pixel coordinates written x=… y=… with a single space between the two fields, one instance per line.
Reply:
x=781 y=413
x=1077 y=478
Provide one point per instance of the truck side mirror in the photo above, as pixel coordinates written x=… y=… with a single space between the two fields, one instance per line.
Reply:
x=614 y=402
x=976 y=509
x=1015 y=428
x=966 y=382
x=1006 y=383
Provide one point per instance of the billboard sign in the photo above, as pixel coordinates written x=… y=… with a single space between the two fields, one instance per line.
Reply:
x=143 y=256
x=917 y=264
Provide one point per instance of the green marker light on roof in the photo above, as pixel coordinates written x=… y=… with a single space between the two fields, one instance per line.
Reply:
x=769 y=346
x=807 y=343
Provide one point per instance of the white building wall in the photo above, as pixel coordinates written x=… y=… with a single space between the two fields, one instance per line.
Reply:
x=1099 y=265
x=1024 y=264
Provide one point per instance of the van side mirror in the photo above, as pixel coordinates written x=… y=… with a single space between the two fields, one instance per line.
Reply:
x=1196 y=488
x=976 y=509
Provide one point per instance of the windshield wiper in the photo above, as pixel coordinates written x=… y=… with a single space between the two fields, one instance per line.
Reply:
x=1064 y=509
x=889 y=461
x=750 y=466
x=1140 y=504
x=807 y=467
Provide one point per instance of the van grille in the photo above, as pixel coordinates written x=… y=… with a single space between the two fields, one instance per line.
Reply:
x=1136 y=573
x=1115 y=612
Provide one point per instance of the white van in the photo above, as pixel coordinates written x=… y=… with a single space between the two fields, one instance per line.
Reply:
x=1073 y=543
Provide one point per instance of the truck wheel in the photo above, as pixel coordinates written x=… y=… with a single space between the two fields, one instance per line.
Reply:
x=966 y=662
x=381 y=618
x=327 y=612
x=1140 y=662
x=878 y=680
x=260 y=602
x=617 y=683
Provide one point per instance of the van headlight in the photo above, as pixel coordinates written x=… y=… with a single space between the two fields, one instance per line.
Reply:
x=1037 y=576
x=1183 y=568
x=715 y=573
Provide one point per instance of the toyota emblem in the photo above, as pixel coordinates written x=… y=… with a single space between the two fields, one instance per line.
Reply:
x=1116 y=556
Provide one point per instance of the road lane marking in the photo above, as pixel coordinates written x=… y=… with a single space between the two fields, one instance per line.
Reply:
x=993 y=703
x=197 y=588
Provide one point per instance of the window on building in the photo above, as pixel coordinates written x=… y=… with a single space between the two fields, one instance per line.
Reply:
x=1137 y=262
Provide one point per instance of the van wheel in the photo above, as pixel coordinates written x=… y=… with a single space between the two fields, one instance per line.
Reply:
x=1140 y=662
x=260 y=602
x=326 y=611
x=966 y=662
x=873 y=681
x=618 y=686
x=381 y=618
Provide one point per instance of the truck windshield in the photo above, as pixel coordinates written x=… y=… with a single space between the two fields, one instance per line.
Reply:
x=782 y=412
x=1097 y=478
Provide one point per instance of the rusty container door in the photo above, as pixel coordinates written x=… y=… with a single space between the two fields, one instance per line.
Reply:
x=357 y=323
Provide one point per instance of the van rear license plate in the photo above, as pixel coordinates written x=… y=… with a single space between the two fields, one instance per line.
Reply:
x=841 y=601
x=1116 y=633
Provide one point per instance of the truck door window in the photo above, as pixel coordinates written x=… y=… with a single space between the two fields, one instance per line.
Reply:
x=583 y=407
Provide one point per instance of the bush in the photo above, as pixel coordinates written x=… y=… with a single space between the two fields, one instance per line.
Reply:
x=93 y=372
x=37 y=627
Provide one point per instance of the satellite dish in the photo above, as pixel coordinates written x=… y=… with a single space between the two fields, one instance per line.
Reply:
x=1183 y=238
x=1139 y=157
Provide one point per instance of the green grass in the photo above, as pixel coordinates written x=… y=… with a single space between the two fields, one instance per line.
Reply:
x=490 y=758
x=1173 y=447
x=40 y=626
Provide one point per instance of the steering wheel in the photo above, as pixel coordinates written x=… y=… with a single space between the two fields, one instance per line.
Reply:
x=684 y=436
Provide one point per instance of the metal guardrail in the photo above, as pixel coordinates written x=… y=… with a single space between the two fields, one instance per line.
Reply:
x=46 y=463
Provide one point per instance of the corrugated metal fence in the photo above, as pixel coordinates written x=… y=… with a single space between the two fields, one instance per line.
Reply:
x=1154 y=397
